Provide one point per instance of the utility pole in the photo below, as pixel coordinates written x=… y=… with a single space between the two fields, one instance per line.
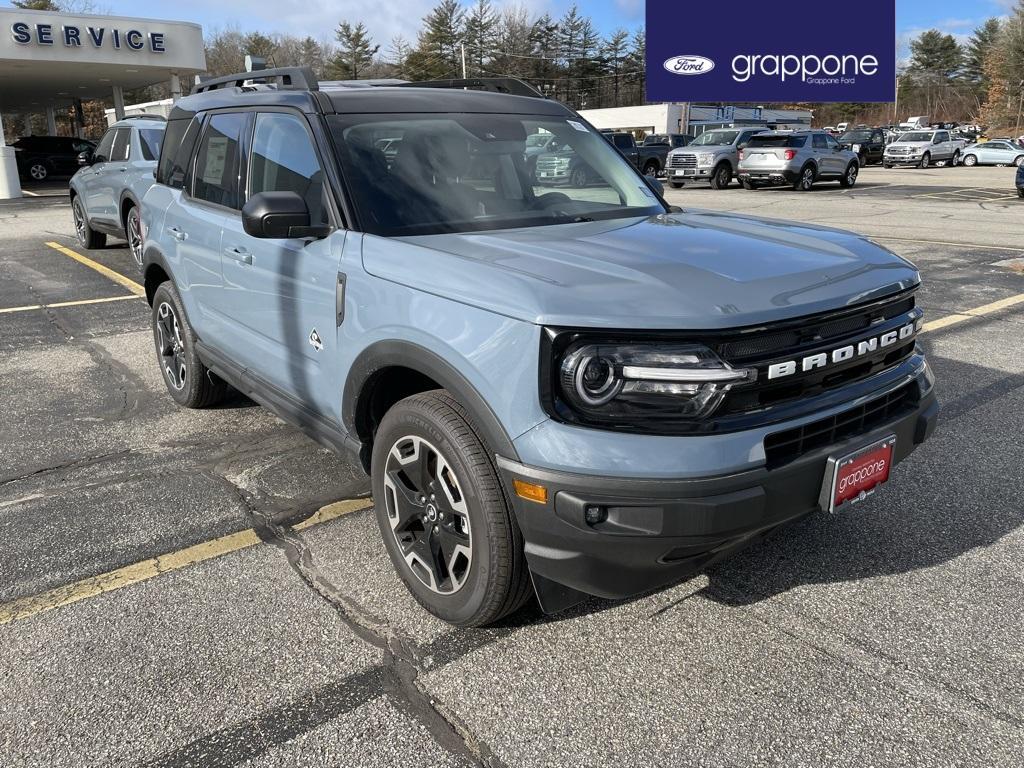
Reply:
x=463 y=47
x=896 y=104
x=1020 y=104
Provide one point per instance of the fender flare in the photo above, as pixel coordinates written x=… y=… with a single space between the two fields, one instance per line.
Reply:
x=153 y=260
x=392 y=352
x=126 y=195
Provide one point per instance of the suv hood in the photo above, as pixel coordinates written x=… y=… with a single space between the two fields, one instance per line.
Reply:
x=694 y=270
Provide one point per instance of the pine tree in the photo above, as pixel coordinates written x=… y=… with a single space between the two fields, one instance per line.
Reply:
x=636 y=60
x=398 y=55
x=977 y=49
x=438 y=47
x=614 y=51
x=480 y=35
x=258 y=44
x=355 y=52
x=935 y=56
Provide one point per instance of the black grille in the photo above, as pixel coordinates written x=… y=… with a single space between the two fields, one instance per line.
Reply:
x=783 y=447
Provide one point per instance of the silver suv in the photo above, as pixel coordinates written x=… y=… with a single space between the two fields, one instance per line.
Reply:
x=108 y=189
x=799 y=158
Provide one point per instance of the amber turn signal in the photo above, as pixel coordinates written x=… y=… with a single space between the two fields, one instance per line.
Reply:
x=530 y=491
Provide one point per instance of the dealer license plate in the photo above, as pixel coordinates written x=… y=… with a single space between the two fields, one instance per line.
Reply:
x=686 y=172
x=855 y=476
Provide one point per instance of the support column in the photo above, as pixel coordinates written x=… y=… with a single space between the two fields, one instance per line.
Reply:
x=175 y=87
x=118 y=102
x=10 y=186
x=51 y=120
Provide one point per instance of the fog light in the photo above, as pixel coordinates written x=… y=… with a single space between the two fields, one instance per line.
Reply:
x=594 y=514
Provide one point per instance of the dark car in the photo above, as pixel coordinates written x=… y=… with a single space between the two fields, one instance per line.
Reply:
x=868 y=143
x=41 y=157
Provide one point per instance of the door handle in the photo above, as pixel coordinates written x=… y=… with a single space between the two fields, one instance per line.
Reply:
x=177 y=234
x=241 y=255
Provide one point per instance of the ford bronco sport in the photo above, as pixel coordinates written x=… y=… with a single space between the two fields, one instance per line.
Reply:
x=570 y=393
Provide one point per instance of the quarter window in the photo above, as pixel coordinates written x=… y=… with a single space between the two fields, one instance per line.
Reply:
x=283 y=160
x=149 y=142
x=216 y=172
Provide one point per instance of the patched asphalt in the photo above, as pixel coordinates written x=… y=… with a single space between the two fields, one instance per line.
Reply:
x=889 y=634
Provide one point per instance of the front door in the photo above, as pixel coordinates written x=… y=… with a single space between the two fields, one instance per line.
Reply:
x=280 y=294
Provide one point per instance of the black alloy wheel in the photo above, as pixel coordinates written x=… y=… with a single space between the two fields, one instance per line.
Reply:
x=133 y=233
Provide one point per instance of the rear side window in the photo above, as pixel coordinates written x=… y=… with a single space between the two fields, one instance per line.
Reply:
x=149 y=141
x=777 y=141
x=818 y=141
x=283 y=160
x=176 y=149
x=122 y=144
x=215 y=178
x=622 y=141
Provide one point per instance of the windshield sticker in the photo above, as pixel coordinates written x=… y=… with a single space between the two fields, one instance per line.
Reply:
x=578 y=126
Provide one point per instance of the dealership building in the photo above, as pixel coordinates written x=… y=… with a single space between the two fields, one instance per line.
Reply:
x=693 y=119
x=52 y=61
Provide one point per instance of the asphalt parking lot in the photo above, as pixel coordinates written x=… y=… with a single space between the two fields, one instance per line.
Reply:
x=208 y=588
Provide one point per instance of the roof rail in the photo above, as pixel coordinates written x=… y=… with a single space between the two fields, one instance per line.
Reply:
x=510 y=85
x=285 y=78
x=145 y=116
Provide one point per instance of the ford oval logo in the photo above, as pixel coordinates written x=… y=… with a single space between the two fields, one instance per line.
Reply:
x=689 y=65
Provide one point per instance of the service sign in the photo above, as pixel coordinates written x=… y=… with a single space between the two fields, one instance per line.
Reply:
x=798 y=51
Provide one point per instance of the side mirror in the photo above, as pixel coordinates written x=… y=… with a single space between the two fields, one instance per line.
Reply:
x=85 y=158
x=276 y=215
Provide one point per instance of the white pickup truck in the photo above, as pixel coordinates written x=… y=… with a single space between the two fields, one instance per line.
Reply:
x=922 y=148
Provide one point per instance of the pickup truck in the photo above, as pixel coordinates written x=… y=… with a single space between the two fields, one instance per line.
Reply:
x=713 y=156
x=922 y=148
x=650 y=159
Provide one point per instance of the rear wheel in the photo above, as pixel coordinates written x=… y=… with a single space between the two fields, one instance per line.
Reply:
x=188 y=381
x=748 y=184
x=87 y=236
x=722 y=176
x=133 y=233
x=651 y=168
x=38 y=171
x=805 y=180
x=446 y=523
x=849 y=178
x=970 y=160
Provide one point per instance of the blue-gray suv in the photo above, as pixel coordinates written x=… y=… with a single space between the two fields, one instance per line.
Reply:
x=571 y=392
x=107 y=190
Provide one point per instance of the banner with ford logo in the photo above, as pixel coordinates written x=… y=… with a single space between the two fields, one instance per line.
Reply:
x=797 y=51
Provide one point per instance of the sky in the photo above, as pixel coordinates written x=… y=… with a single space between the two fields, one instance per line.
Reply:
x=318 y=18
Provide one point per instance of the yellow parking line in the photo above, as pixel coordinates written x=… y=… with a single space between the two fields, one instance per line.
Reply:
x=136 y=573
x=117 y=277
x=78 y=303
x=985 y=309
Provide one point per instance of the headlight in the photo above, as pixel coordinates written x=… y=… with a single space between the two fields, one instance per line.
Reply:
x=640 y=385
x=705 y=158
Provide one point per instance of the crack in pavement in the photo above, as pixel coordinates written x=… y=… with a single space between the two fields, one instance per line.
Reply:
x=397 y=675
x=73 y=463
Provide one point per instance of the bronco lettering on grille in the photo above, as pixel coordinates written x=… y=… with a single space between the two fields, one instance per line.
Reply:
x=841 y=354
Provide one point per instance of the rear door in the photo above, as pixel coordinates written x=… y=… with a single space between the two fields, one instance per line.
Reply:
x=836 y=155
x=280 y=294
x=110 y=178
x=822 y=154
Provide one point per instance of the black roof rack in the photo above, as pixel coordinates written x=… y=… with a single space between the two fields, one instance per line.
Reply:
x=510 y=85
x=285 y=78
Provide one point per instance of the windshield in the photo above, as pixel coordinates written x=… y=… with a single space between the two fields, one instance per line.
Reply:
x=469 y=172
x=916 y=136
x=856 y=136
x=715 y=137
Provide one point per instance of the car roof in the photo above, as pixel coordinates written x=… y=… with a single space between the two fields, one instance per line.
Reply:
x=370 y=100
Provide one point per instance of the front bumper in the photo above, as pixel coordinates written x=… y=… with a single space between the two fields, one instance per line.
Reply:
x=903 y=159
x=660 y=531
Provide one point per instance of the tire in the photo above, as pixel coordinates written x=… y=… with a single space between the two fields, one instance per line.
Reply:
x=1017 y=161
x=748 y=184
x=676 y=184
x=426 y=445
x=970 y=160
x=955 y=161
x=926 y=160
x=651 y=168
x=133 y=234
x=849 y=177
x=1020 y=191
x=87 y=236
x=805 y=180
x=722 y=176
x=38 y=171
x=189 y=382
x=862 y=161
x=578 y=178
x=887 y=166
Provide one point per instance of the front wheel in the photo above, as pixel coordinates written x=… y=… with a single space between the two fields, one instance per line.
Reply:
x=188 y=381
x=87 y=236
x=849 y=178
x=956 y=159
x=446 y=523
x=926 y=160
x=578 y=178
x=970 y=160
x=38 y=171
x=722 y=177
x=1018 y=161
